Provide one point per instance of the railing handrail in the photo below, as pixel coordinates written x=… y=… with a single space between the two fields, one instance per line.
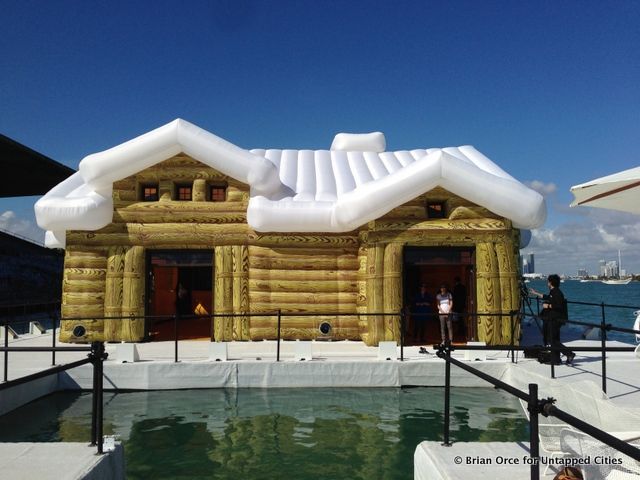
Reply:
x=488 y=378
x=44 y=373
x=96 y=357
x=607 y=326
x=592 y=304
x=535 y=406
x=275 y=314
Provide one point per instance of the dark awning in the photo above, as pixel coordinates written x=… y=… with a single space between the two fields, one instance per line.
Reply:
x=27 y=172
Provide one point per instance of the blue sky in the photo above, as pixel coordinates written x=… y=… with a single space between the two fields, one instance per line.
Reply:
x=550 y=91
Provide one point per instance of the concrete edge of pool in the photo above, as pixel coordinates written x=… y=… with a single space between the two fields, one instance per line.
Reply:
x=60 y=460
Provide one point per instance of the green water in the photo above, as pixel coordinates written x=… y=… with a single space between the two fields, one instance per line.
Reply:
x=339 y=433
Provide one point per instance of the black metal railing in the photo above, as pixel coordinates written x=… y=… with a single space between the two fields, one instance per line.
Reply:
x=402 y=315
x=10 y=311
x=95 y=357
x=603 y=326
x=281 y=320
x=535 y=406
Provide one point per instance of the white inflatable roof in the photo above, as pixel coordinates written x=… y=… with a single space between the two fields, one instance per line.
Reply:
x=334 y=190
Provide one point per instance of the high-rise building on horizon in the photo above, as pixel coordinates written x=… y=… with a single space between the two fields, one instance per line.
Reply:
x=528 y=264
x=611 y=269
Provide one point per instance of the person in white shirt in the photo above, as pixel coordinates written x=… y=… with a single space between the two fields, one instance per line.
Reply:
x=444 y=301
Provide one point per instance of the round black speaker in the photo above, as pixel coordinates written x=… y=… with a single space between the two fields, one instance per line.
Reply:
x=79 y=331
x=325 y=328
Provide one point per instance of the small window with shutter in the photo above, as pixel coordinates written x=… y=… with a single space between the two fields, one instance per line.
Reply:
x=435 y=210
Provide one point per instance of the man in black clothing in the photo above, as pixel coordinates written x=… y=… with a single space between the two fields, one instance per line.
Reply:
x=459 y=294
x=553 y=315
x=422 y=312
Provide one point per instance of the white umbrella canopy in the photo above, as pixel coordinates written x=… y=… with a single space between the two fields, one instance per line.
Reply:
x=620 y=191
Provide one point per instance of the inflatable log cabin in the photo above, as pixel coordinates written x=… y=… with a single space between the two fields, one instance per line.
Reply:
x=180 y=222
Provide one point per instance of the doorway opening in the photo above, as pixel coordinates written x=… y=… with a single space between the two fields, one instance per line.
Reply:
x=433 y=267
x=179 y=282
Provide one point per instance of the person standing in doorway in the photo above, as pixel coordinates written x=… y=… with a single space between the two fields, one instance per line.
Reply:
x=459 y=307
x=183 y=300
x=445 y=302
x=422 y=312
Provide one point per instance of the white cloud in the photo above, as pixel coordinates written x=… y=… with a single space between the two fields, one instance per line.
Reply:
x=581 y=244
x=542 y=188
x=10 y=222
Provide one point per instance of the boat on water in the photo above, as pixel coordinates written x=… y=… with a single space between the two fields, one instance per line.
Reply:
x=618 y=281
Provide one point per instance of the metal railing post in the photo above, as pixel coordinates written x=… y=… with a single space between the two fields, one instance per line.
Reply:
x=53 y=339
x=603 y=346
x=278 y=345
x=534 y=448
x=212 y=328
x=512 y=339
x=6 y=352
x=402 y=320
x=447 y=394
x=552 y=350
x=100 y=394
x=175 y=337
x=94 y=394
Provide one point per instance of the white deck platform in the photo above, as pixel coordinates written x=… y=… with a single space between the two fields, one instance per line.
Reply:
x=333 y=364
x=479 y=461
x=52 y=461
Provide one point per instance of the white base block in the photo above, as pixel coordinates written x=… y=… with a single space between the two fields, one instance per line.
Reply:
x=302 y=351
x=470 y=355
x=36 y=328
x=127 y=353
x=218 y=351
x=12 y=332
x=387 y=351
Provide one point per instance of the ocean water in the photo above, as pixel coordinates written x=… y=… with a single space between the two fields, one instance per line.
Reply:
x=328 y=433
x=627 y=296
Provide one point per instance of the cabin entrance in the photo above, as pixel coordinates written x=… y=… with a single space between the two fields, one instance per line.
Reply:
x=179 y=282
x=433 y=267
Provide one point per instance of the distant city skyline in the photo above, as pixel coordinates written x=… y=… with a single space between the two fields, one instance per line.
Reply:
x=603 y=267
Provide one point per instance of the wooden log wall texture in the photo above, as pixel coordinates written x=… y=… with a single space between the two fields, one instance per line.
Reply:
x=508 y=288
x=223 y=293
x=375 y=292
x=488 y=293
x=303 y=279
x=199 y=193
x=181 y=212
x=83 y=293
x=392 y=302
x=240 y=291
x=361 y=302
x=133 y=295
x=516 y=261
x=166 y=190
x=113 y=293
x=187 y=235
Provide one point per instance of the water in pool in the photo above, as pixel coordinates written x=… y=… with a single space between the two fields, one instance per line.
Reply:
x=328 y=433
